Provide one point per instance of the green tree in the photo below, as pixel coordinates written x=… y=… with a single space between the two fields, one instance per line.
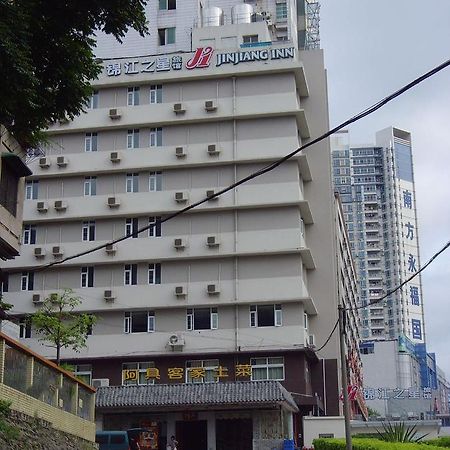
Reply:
x=47 y=59
x=59 y=325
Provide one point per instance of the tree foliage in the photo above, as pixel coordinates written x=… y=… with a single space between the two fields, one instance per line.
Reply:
x=59 y=326
x=47 y=59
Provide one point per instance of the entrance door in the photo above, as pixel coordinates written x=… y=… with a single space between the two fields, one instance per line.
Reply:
x=192 y=434
x=236 y=434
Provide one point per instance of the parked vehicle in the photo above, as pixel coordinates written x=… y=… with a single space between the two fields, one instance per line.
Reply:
x=112 y=440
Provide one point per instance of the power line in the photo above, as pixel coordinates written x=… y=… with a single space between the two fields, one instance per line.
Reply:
x=260 y=172
x=328 y=338
x=373 y=302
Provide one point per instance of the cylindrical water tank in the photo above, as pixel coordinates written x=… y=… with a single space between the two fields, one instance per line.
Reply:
x=241 y=13
x=212 y=17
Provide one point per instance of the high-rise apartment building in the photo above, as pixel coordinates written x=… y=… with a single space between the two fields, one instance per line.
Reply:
x=242 y=288
x=376 y=186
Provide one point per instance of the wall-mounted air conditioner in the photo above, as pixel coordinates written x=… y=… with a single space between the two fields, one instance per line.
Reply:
x=311 y=340
x=60 y=205
x=210 y=105
x=213 y=149
x=57 y=250
x=178 y=108
x=180 y=152
x=114 y=113
x=212 y=289
x=42 y=207
x=61 y=161
x=113 y=202
x=39 y=252
x=44 y=162
x=179 y=243
x=180 y=291
x=36 y=298
x=108 y=295
x=110 y=249
x=210 y=193
x=212 y=241
x=114 y=157
x=181 y=197
x=176 y=341
x=100 y=382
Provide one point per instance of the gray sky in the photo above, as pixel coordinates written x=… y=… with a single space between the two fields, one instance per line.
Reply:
x=372 y=48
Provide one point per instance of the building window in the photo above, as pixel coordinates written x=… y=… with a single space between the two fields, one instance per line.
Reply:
x=267 y=368
x=202 y=319
x=167 y=4
x=265 y=316
x=156 y=137
x=202 y=371
x=130 y=275
x=87 y=277
x=83 y=372
x=166 y=36
x=27 y=281
x=29 y=235
x=90 y=142
x=90 y=186
x=132 y=182
x=132 y=227
x=154 y=273
x=156 y=93
x=9 y=183
x=32 y=190
x=155 y=230
x=88 y=230
x=92 y=103
x=139 y=322
x=281 y=10
x=133 y=96
x=250 y=39
x=155 y=181
x=133 y=138
x=4 y=285
x=24 y=328
x=144 y=371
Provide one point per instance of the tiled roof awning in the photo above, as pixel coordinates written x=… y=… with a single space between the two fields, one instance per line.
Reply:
x=241 y=393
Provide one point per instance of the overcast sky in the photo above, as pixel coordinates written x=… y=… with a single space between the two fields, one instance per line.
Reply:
x=373 y=47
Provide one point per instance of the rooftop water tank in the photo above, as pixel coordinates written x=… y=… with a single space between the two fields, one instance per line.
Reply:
x=212 y=17
x=241 y=13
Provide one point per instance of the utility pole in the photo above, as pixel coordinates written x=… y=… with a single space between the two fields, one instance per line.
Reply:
x=342 y=323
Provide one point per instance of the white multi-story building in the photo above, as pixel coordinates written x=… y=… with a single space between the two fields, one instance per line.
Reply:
x=241 y=288
x=376 y=185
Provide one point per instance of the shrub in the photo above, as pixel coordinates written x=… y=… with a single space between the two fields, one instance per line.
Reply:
x=5 y=408
x=370 y=444
x=399 y=432
x=440 y=442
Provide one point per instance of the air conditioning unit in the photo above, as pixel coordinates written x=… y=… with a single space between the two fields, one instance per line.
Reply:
x=212 y=289
x=176 y=341
x=178 y=108
x=60 y=205
x=108 y=295
x=210 y=193
x=180 y=152
x=61 y=161
x=57 y=250
x=44 y=162
x=42 y=206
x=37 y=299
x=210 y=105
x=180 y=291
x=110 y=248
x=114 y=157
x=39 y=252
x=113 y=202
x=114 y=113
x=181 y=197
x=213 y=149
x=311 y=340
x=100 y=382
x=179 y=243
x=212 y=241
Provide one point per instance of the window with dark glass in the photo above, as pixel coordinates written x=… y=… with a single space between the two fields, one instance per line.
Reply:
x=202 y=319
x=130 y=274
x=265 y=315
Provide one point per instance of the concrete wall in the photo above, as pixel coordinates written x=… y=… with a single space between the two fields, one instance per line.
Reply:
x=314 y=427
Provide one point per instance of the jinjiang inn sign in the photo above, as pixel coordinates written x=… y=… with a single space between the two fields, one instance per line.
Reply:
x=202 y=58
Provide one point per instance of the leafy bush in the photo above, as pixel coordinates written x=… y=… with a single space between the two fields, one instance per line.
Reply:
x=399 y=432
x=370 y=444
x=440 y=442
x=5 y=408
x=8 y=432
